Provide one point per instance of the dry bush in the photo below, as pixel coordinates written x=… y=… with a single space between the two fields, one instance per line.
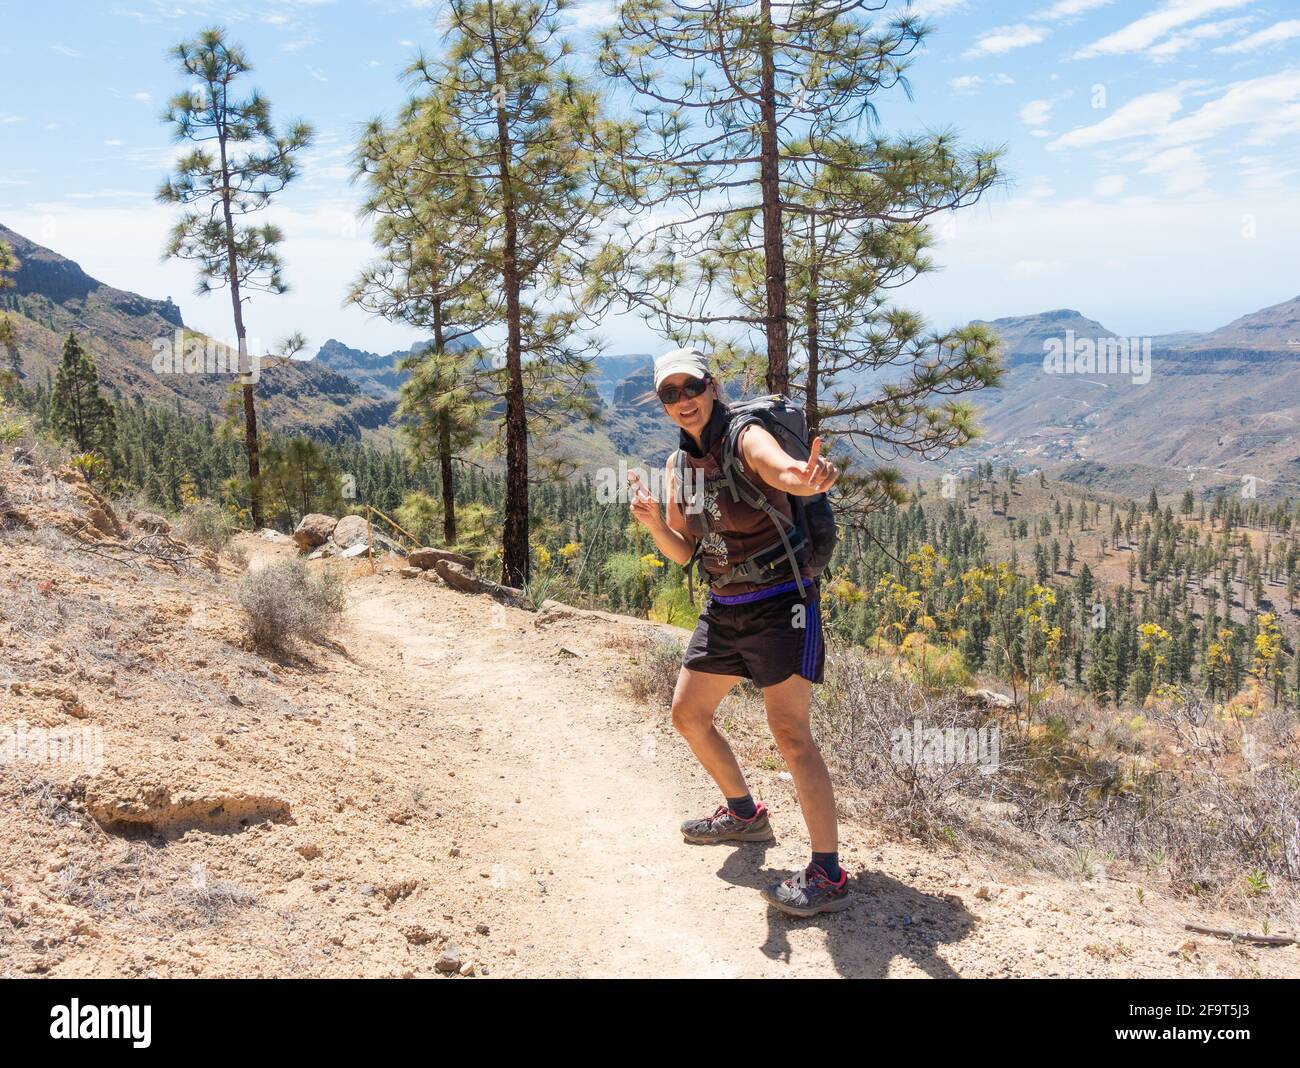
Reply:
x=655 y=677
x=287 y=603
x=207 y=901
x=207 y=525
x=918 y=758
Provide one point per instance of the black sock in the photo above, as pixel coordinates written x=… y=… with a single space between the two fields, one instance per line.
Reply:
x=829 y=863
x=743 y=807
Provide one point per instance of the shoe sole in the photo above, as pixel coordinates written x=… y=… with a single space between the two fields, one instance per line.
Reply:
x=838 y=904
x=749 y=836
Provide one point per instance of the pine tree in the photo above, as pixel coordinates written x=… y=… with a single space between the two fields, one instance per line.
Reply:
x=8 y=332
x=784 y=85
x=78 y=410
x=510 y=128
x=424 y=278
x=251 y=164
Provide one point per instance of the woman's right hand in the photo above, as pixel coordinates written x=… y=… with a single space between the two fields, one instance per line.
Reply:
x=645 y=509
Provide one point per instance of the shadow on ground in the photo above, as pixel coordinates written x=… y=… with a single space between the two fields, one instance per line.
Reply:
x=889 y=920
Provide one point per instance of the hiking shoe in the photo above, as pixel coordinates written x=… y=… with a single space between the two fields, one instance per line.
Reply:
x=725 y=826
x=809 y=893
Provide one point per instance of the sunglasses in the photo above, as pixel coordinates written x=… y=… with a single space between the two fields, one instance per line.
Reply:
x=688 y=390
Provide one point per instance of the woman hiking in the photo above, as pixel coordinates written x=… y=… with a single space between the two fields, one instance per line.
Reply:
x=762 y=620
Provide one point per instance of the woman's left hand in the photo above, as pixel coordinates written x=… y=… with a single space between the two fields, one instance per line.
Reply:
x=817 y=473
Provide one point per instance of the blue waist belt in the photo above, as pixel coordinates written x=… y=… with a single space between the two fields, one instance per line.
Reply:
x=757 y=595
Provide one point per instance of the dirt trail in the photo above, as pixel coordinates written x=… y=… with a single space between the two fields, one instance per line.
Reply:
x=587 y=874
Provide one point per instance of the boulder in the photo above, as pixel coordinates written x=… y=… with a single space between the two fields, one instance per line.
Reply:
x=314 y=530
x=459 y=577
x=990 y=699
x=350 y=531
x=149 y=522
x=424 y=559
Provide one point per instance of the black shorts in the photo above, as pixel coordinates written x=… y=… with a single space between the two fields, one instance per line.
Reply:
x=765 y=640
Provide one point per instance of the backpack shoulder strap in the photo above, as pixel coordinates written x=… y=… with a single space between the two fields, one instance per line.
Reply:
x=744 y=488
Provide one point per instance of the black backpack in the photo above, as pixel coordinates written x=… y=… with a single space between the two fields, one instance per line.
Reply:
x=808 y=539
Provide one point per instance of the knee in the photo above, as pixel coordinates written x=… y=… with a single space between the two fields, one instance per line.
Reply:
x=791 y=734
x=689 y=719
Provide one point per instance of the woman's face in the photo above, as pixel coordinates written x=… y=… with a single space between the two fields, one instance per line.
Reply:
x=690 y=413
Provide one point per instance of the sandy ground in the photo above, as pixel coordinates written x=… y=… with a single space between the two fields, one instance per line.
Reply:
x=454 y=779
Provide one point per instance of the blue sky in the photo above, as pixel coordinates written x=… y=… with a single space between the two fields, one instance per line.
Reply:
x=1153 y=150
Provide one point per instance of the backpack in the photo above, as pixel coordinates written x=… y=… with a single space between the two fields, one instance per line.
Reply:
x=811 y=534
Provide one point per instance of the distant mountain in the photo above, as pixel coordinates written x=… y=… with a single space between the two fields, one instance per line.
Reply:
x=376 y=375
x=52 y=296
x=613 y=371
x=1218 y=407
x=1275 y=328
x=1023 y=335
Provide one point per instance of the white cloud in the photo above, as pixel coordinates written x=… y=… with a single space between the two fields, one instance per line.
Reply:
x=1036 y=113
x=1066 y=9
x=1005 y=39
x=1182 y=169
x=1256 y=102
x=966 y=83
x=1109 y=185
x=1275 y=34
x=1181 y=42
x=1144 y=32
x=142 y=96
x=64 y=50
x=1143 y=116
x=931 y=8
x=592 y=14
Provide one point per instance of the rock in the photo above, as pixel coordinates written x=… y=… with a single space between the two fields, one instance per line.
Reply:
x=990 y=699
x=267 y=534
x=450 y=960
x=426 y=558
x=350 y=531
x=315 y=529
x=150 y=522
x=418 y=934
x=482 y=928
x=410 y=572
x=459 y=578
x=467 y=969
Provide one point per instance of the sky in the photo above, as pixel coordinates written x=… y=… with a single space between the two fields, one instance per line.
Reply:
x=1152 y=151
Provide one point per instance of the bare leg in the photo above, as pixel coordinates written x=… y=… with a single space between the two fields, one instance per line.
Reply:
x=788 y=706
x=695 y=700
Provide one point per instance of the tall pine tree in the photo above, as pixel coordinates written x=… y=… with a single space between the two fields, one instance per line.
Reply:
x=238 y=165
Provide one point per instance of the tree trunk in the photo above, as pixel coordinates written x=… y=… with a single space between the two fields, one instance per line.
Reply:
x=811 y=409
x=448 y=483
x=444 y=446
x=778 y=337
x=514 y=535
x=251 y=446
